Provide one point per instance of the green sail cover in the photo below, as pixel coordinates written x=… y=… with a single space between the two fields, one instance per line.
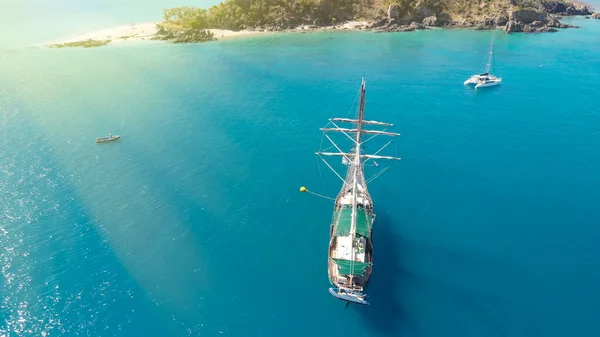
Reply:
x=347 y=267
x=343 y=219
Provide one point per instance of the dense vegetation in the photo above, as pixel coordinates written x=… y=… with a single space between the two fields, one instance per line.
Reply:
x=285 y=14
x=183 y=34
x=276 y=14
x=85 y=44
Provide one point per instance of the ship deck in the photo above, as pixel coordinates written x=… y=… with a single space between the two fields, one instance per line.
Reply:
x=343 y=249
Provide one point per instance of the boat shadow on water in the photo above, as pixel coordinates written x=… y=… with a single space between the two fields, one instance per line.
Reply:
x=384 y=313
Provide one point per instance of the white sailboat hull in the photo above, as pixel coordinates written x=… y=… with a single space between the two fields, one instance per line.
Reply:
x=476 y=79
x=472 y=80
x=490 y=83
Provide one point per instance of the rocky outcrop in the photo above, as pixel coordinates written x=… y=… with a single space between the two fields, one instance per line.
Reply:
x=393 y=12
x=565 y=8
x=378 y=24
x=527 y=16
x=554 y=23
x=420 y=12
x=549 y=26
x=518 y=18
x=418 y=26
x=482 y=27
x=532 y=21
x=439 y=20
x=431 y=21
x=501 y=20
x=395 y=26
x=534 y=27
x=513 y=27
x=596 y=15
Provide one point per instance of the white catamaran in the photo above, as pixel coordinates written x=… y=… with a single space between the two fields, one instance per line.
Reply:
x=487 y=79
x=351 y=246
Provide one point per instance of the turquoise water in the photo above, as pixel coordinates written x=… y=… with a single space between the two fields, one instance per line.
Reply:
x=192 y=223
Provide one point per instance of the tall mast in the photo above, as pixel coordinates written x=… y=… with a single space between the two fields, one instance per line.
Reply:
x=355 y=173
x=489 y=64
x=357 y=164
x=354 y=160
x=361 y=112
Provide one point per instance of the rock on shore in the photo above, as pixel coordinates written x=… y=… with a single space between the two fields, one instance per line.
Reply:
x=513 y=20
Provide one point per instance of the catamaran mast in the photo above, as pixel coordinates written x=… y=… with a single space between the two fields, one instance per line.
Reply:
x=489 y=64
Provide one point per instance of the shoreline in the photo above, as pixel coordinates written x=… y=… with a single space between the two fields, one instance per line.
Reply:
x=147 y=31
x=142 y=31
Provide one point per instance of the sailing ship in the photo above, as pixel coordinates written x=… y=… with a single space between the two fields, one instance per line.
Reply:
x=486 y=79
x=351 y=244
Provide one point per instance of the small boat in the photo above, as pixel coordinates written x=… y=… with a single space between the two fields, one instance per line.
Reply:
x=351 y=245
x=487 y=79
x=110 y=138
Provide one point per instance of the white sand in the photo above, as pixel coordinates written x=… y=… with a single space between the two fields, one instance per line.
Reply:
x=137 y=31
x=141 y=31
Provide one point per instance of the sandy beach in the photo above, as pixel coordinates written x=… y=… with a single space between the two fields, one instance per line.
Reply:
x=139 y=32
x=131 y=32
x=146 y=30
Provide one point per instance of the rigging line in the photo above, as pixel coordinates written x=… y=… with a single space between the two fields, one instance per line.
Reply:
x=322 y=138
x=342 y=132
x=377 y=175
x=321 y=196
x=321 y=175
x=327 y=149
x=383 y=147
x=319 y=165
x=352 y=106
x=322 y=141
x=334 y=171
x=342 y=152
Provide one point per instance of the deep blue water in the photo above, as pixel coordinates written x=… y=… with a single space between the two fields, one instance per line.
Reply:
x=192 y=223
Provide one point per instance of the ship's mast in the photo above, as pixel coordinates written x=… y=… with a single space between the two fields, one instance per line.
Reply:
x=355 y=174
x=355 y=159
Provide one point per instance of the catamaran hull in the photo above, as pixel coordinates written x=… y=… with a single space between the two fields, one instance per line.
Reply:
x=489 y=84
x=470 y=81
x=347 y=297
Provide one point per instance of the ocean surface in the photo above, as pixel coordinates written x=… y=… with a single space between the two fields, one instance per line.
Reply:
x=192 y=223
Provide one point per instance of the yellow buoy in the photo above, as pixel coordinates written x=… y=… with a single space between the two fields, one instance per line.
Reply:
x=303 y=189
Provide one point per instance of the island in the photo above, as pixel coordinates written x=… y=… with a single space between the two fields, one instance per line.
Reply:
x=239 y=17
